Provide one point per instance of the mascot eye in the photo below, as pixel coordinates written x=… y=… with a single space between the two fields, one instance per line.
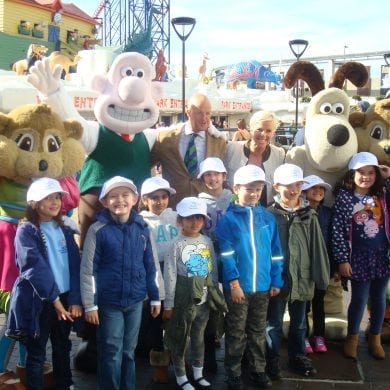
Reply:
x=326 y=108
x=51 y=143
x=377 y=132
x=139 y=73
x=338 y=108
x=127 y=71
x=25 y=142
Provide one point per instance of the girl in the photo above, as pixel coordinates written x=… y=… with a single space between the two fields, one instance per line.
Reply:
x=46 y=297
x=314 y=190
x=361 y=247
x=162 y=223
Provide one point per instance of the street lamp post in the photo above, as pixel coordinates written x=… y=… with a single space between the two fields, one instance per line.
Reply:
x=183 y=27
x=298 y=47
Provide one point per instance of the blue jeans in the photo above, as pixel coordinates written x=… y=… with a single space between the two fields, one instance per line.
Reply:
x=117 y=337
x=376 y=290
x=297 y=330
x=58 y=331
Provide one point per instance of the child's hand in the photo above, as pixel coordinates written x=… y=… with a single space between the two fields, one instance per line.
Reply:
x=62 y=313
x=167 y=314
x=76 y=311
x=237 y=295
x=155 y=310
x=274 y=292
x=384 y=170
x=345 y=270
x=92 y=317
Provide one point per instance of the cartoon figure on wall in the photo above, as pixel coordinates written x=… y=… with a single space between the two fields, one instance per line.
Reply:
x=34 y=142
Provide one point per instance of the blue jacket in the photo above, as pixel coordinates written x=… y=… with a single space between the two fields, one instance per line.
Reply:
x=250 y=248
x=117 y=266
x=36 y=283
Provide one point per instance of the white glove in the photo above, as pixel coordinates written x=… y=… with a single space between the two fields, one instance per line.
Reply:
x=71 y=223
x=43 y=78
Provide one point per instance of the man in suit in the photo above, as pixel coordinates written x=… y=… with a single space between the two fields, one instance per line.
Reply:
x=172 y=146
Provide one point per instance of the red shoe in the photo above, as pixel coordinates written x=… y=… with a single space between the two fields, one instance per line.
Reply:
x=319 y=344
x=308 y=348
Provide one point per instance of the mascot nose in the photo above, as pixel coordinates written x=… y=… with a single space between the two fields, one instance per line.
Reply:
x=338 y=135
x=387 y=149
x=43 y=165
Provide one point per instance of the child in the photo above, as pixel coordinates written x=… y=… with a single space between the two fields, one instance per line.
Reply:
x=307 y=266
x=252 y=264
x=314 y=191
x=213 y=174
x=361 y=247
x=161 y=220
x=189 y=266
x=117 y=273
x=46 y=296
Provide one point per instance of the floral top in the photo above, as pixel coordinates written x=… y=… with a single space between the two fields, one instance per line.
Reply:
x=360 y=234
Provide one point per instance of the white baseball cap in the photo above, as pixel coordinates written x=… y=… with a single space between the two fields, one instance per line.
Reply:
x=43 y=187
x=314 y=180
x=248 y=174
x=191 y=206
x=286 y=174
x=156 y=183
x=115 y=182
x=211 y=164
x=362 y=159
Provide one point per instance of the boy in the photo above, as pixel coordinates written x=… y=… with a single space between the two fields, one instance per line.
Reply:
x=307 y=266
x=252 y=265
x=117 y=273
x=213 y=174
x=189 y=265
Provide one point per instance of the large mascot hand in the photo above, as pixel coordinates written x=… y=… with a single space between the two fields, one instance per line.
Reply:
x=43 y=78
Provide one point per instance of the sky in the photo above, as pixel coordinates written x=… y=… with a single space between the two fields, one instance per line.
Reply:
x=234 y=31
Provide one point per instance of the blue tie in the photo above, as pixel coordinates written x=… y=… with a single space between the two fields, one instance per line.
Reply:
x=190 y=158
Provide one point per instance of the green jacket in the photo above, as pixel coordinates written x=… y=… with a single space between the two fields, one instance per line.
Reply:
x=304 y=248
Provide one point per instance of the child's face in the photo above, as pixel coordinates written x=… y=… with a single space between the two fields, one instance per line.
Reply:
x=364 y=178
x=49 y=207
x=289 y=193
x=156 y=201
x=315 y=194
x=119 y=201
x=192 y=225
x=213 y=180
x=249 y=194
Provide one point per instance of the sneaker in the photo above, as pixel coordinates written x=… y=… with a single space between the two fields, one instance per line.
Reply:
x=234 y=383
x=308 y=348
x=261 y=379
x=272 y=369
x=302 y=366
x=319 y=344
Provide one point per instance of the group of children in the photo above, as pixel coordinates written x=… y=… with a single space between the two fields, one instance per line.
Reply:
x=266 y=260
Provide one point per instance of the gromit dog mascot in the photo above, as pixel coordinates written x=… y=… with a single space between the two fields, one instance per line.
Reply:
x=34 y=142
x=330 y=142
x=373 y=133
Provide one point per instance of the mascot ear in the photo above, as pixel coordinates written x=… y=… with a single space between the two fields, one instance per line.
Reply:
x=73 y=129
x=98 y=82
x=157 y=90
x=4 y=122
x=356 y=119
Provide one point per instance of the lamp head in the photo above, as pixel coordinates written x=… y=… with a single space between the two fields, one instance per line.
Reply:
x=183 y=21
x=298 y=47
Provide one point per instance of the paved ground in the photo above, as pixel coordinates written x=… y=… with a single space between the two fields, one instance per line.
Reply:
x=334 y=372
